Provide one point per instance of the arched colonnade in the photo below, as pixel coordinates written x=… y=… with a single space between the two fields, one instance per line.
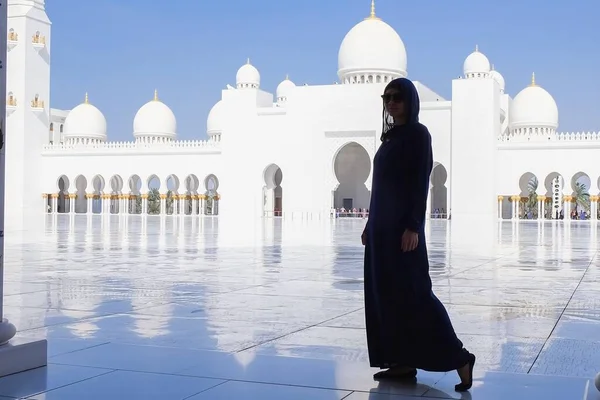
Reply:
x=152 y=195
x=554 y=196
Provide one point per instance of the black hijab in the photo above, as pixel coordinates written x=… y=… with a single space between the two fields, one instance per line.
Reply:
x=410 y=97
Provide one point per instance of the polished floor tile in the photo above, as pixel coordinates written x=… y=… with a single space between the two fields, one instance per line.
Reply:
x=384 y=396
x=134 y=358
x=245 y=303
x=127 y=385
x=501 y=386
x=569 y=357
x=40 y=380
x=247 y=390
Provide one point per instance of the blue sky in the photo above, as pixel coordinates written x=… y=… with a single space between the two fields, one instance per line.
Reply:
x=121 y=50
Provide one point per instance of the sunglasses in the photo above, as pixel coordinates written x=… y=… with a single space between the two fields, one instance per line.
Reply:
x=395 y=97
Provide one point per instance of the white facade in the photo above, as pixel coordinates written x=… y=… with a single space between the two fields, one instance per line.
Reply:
x=297 y=153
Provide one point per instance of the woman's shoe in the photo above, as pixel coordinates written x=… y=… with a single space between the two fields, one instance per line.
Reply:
x=464 y=386
x=391 y=374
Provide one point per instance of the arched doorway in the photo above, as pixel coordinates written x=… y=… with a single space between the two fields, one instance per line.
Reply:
x=80 y=192
x=191 y=191
x=154 y=206
x=172 y=200
x=528 y=204
x=439 y=192
x=116 y=187
x=135 y=193
x=97 y=202
x=352 y=166
x=63 y=202
x=581 y=206
x=272 y=191
x=211 y=196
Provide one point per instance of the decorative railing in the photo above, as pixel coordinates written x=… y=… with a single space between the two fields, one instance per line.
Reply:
x=175 y=144
x=557 y=137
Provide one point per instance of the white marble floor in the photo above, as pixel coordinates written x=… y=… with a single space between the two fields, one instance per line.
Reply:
x=187 y=308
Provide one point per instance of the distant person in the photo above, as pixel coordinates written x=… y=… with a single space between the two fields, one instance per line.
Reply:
x=408 y=328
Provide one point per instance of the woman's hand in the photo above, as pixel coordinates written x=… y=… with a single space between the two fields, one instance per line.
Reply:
x=363 y=237
x=410 y=240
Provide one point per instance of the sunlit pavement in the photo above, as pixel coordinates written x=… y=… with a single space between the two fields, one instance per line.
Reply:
x=206 y=308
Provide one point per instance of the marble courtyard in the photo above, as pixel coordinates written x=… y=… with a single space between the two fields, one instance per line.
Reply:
x=186 y=308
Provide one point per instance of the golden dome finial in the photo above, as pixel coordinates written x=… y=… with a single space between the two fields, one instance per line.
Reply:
x=87 y=99
x=155 y=95
x=533 y=79
x=372 y=15
x=476 y=48
x=287 y=77
x=248 y=61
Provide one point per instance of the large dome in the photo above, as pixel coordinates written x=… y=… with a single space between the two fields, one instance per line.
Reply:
x=85 y=122
x=533 y=107
x=247 y=77
x=214 y=123
x=371 y=52
x=284 y=89
x=476 y=65
x=155 y=119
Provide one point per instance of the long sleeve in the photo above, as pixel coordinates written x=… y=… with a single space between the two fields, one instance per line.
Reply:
x=418 y=169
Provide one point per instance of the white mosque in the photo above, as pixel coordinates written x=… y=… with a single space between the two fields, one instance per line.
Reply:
x=298 y=153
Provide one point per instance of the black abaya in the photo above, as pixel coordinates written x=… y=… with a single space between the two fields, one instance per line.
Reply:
x=406 y=323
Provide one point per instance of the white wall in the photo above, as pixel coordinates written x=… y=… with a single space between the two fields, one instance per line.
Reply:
x=475 y=130
x=28 y=75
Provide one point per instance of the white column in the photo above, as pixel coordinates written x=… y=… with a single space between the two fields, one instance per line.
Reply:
x=163 y=204
x=500 y=199
x=54 y=203
x=90 y=202
x=567 y=207
x=175 y=203
x=542 y=214
x=106 y=204
x=145 y=203
x=14 y=358
x=513 y=202
x=194 y=205
x=72 y=200
x=45 y=202
x=594 y=208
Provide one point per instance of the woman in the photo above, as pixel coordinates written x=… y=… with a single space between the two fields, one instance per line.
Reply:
x=407 y=326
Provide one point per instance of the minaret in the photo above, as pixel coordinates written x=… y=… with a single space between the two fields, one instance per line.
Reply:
x=28 y=119
x=24 y=354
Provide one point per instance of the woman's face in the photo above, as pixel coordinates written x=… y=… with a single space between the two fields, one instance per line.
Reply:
x=393 y=104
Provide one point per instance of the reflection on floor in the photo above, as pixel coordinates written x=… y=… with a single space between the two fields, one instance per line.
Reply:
x=186 y=308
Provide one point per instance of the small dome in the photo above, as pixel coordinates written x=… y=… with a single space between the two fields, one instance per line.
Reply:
x=497 y=76
x=533 y=107
x=371 y=48
x=214 y=123
x=248 y=77
x=155 y=119
x=476 y=65
x=85 y=122
x=284 y=88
